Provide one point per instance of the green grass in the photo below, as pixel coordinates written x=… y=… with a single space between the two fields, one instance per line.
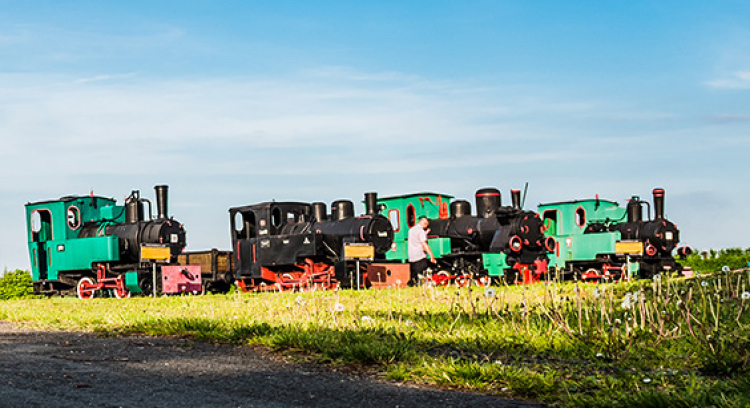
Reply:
x=671 y=342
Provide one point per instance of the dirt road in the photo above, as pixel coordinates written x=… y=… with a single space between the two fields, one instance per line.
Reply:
x=70 y=369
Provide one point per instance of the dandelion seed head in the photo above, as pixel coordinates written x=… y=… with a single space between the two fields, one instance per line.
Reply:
x=367 y=319
x=489 y=293
x=725 y=268
x=398 y=281
x=704 y=284
x=745 y=295
x=618 y=322
x=338 y=307
x=647 y=381
x=409 y=323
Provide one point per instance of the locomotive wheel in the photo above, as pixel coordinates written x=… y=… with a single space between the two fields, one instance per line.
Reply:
x=483 y=281
x=442 y=278
x=463 y=281
x=121 y=293
x=85 y=289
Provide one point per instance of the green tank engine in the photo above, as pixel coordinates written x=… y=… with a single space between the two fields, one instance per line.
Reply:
x=499 y=242
x=80 y=244
x=600 y=239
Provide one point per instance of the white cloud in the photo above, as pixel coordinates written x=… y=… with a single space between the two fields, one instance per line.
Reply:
x=736 y=80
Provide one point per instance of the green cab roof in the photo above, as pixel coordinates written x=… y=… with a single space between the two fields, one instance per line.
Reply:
x=423 y=193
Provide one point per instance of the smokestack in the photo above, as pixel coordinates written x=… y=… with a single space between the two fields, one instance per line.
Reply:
x=161 y=202
x=371 y=203
x=658 y=203
x=515 y=196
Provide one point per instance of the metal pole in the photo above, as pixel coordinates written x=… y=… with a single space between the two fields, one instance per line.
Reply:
x=358 y=275
x=153 y=291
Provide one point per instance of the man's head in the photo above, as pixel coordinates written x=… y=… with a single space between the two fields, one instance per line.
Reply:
x=424 y=222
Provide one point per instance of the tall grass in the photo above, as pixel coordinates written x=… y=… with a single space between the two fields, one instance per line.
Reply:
x=633 y=344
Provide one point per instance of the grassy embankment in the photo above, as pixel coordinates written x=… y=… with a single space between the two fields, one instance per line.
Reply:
x=663 y=343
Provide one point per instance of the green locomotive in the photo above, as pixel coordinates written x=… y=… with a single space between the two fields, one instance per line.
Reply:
x=86 y=244
x=600 y=239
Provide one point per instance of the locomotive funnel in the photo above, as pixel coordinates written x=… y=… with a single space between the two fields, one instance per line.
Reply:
x=658 y=203
x=488 y=201
x=342 y=209
x=371 y=203
x=161 y=202
x=319 y=212
x=515 y=196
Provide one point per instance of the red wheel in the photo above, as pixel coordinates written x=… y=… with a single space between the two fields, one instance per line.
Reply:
x=483 y=281
x=463 y=281
x=441 y=278
x=85 y=289
x=122 y=292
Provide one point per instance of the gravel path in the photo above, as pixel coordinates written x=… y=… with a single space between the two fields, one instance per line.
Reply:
x=73 y=369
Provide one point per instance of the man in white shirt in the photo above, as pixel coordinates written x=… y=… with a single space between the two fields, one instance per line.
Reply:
x=419 y=249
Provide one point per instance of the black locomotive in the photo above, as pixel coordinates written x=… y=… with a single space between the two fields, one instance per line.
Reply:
x=295 y=244
x=504 y=241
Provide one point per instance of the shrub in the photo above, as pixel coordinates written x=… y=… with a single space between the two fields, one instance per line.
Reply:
x=16 y=284
x=734 y=258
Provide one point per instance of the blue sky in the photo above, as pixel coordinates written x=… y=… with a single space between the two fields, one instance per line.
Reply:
x=241 y=102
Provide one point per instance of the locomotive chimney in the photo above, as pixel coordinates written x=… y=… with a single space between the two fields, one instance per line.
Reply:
x=319 y=212
x=341 y=210
x=515 y=196
x=161 y=202
x=658 y=203
x=635 y=210
x=488 y=201
x=371 y=203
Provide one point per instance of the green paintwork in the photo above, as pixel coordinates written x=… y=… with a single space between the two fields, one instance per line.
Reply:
x=56 y=247
x=563 y=224
x=131 y=282
x=495 y=264
x=424 y=204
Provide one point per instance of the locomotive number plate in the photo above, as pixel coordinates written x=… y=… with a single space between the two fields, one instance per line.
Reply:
x=629 y=247
x=354 y=251
x=155 y=253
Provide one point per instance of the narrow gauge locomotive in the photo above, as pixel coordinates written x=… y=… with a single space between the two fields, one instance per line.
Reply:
x=286 y=245
x=600 y=239
x=499 y=242
x=84 y=244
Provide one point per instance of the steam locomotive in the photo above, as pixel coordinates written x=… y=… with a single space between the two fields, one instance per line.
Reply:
x=600 y=239
x=283 y=245
x=499 y=242
x=85 y=244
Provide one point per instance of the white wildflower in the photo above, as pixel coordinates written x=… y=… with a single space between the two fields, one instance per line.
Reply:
x=618 y=322
x=489 y=293
x=647 y=381
x=725 y=268
x=596 y=293
x=398 y=281
x=627 y=301
x=745 y=295
x=599 y=355
x=299 y=300
x=367 y=319
x=679 y=302
x=338 y=307
x=635 y=296
x=704 y=284
x=409 y=323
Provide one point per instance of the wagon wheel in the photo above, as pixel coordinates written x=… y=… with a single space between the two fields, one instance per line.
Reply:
x=85 y=289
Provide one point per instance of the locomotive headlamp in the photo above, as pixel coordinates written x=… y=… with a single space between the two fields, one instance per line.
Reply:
x=515 y=243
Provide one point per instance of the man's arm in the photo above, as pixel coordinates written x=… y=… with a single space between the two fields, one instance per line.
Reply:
x=428 y=250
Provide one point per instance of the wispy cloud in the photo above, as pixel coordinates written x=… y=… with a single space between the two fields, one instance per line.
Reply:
x=99 y=78
x=735 y=80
